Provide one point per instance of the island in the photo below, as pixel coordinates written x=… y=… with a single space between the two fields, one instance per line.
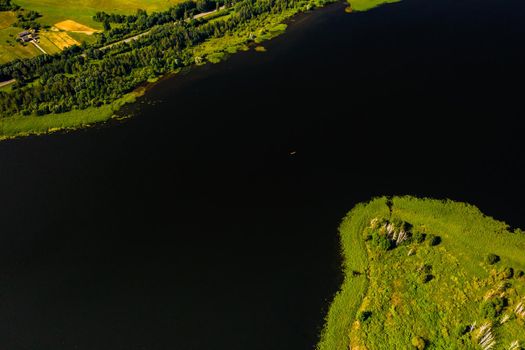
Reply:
x=424 y=273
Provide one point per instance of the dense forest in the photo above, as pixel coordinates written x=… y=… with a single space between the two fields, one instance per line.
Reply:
x=87 y=76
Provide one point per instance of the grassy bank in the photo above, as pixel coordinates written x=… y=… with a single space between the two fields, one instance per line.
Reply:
x=18 y=126
x=365 y=5
x=263 y=27
x=439 y=287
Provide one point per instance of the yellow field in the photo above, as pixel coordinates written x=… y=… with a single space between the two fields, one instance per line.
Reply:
x=59 y=39
x=72 y=26
x=54 y=41
x=48 y=45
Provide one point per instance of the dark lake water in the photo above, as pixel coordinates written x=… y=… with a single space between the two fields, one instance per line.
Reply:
x=191 y=226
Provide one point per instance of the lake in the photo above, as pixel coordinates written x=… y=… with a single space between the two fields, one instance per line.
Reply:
x=209 y=219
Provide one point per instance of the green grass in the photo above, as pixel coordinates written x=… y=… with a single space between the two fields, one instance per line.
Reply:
x=82 y=11
x=34 y=125
x=365 y=5
x=10 y=49
x=7 y=18
x=48 y=45
x=421 y=291
x=80 y=37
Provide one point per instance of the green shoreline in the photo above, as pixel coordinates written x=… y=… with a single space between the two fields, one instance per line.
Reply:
x=211 y=51
x=214 y=50
x=21 y=126
x=434 y=290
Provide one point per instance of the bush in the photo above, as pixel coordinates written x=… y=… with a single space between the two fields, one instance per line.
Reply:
x=364 y=315
x=461 y=329
x=419 y=237
x=433 y=240
x=520 y=274
x=492 y=308
x=426 y=277
x=492 y=259
x=418 y=342
x=507 y=273
x=381 y=241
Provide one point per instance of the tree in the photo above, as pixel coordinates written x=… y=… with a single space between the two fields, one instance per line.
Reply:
x=492 y=259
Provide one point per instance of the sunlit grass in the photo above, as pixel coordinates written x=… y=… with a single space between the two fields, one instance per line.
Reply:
x=33 y=125
x=425 y=294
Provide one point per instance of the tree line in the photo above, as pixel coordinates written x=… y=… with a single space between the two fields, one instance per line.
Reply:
x=69 y=80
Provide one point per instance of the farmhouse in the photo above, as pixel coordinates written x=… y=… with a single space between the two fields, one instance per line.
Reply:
x=27 y=36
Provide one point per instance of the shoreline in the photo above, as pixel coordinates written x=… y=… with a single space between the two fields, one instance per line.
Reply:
x=22 y=126
x=380 y=307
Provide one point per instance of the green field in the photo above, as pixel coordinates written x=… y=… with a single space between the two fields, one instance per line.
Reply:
x=437 y=289
x=10 y=49
x=82 y=11
x=364 y=5
x=17 y=126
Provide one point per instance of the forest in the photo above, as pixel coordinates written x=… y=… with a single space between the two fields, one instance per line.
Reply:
x=91 y=76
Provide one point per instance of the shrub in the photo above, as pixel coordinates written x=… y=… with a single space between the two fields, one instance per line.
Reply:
x=492 y=259
x=419 y=237
x=520 y=273
x=381 y=241
x=364 y=315
x=461 y=329
x=492 y=308
x=433 y=240
x=426 y=277
x=418 y=342
x=507 y=273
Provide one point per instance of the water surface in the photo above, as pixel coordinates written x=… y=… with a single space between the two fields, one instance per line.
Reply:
x=191 y=226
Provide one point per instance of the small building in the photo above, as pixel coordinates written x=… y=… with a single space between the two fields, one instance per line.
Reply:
x=27 y=36
x=24 y=33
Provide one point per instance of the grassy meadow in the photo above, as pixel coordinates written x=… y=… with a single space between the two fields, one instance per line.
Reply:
x=436 y=288
x=82 y=11
x=364 y=5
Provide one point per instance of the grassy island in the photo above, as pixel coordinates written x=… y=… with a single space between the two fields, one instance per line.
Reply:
x=427 y=274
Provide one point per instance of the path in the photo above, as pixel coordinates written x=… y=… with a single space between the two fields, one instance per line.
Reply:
x=133 y=38
x=7 y=82
x=38 y=47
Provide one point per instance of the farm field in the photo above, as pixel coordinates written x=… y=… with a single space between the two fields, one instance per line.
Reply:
x=10 y=49
x=53 y=42
x=7 y=18
x=82 y=11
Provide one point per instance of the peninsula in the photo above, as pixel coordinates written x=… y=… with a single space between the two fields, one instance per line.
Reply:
x=423 y=273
